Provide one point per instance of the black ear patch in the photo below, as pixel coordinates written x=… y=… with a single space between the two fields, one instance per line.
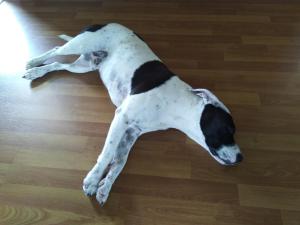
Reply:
x=217 y=126
x=150 y=75
x=93 y=28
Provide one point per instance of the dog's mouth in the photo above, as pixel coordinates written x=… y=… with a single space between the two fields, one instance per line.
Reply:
x=239 y=158
x=227 y=156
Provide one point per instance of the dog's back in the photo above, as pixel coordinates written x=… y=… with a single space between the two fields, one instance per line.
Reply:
x=118 y=68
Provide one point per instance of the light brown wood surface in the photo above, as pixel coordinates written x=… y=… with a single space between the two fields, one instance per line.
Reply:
x=52 y=129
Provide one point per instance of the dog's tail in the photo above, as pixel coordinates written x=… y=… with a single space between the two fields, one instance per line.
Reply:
x=65 y=37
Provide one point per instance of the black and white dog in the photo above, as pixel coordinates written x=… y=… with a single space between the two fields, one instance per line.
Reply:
x=148 y=97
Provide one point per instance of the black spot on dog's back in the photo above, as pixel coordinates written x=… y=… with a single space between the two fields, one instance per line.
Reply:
x=217 y=126
x=93 y=28
x=150 y=75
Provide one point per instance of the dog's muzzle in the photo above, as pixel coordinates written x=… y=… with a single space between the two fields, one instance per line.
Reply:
x=227 y=155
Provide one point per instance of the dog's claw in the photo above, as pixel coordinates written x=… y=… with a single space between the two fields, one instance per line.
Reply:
x=90 y=185
x=28 y=76
x=100 y=199
x=33 y=73
x=102 y=195
x=102 y=192
x=89 y=189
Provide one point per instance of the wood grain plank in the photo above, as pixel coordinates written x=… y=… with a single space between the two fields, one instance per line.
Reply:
x=239 y=98
x=284 y=143
x=167 y=211
x=44 y=141
x=270 y=40
x=46 y=112
x=15 y=214
x=170 y=17
x=269 y=197
x=60 y=199
x=155 y=165
x=42 y=176
x=172 y=188
x=29 y=127
x=290 y=217
x=56 y=159
x=262 y=53
x=260 y=167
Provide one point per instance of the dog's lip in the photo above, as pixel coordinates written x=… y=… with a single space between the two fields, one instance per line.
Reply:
x=216 y=157
x=228 y=163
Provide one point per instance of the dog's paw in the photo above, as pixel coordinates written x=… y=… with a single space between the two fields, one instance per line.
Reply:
x=103 y=191
x=33 y=63
x=33 y=73
x=90 y=184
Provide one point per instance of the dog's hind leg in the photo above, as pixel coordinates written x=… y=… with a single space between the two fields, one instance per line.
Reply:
x=85 y=63
x=79 y=66
x=84 y=43
x=37 y=61
x=120 y=139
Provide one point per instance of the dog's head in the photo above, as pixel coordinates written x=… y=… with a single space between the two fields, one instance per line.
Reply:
x=217 y=128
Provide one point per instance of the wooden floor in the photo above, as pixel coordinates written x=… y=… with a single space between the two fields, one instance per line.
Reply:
x=52 y=130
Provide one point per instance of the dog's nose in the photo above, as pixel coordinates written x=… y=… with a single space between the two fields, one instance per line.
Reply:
x=239 y=158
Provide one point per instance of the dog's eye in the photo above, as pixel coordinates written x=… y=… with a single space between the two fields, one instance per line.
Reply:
x=231 y=129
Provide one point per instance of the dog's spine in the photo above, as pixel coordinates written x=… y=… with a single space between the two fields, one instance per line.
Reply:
x=65 y=37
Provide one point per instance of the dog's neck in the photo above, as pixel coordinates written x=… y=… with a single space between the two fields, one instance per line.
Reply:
x=185 y=110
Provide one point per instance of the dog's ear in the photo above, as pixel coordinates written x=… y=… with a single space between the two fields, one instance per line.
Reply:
x=206 y=95
x=209 y=98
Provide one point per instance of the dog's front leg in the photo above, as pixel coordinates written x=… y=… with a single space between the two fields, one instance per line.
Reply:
x=120 y=138
x=117 y=164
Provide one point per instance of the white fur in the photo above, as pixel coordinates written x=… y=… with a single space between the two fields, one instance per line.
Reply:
x=172 y=105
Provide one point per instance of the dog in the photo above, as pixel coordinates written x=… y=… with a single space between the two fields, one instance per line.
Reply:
x=148 y=97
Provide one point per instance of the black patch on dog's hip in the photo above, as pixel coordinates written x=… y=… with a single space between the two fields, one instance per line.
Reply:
x=150 y=75
x=93 y=28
